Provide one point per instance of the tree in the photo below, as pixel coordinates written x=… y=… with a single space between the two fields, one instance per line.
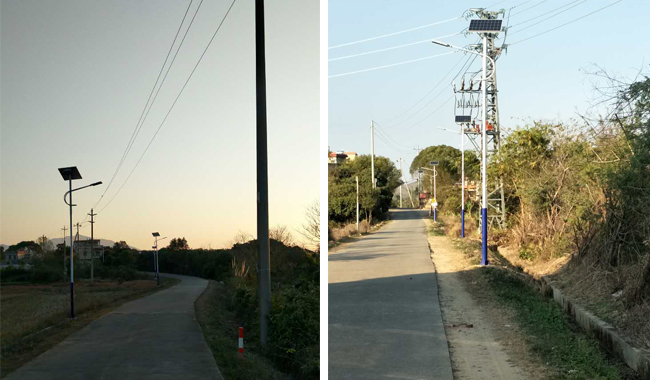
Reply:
x=342 y=187
x=178 y=244
x=311 y=228
x=282 y=234
x=45 y=244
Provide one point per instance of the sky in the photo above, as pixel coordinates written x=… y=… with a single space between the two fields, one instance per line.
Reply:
x=74 y=78
x=543 y=78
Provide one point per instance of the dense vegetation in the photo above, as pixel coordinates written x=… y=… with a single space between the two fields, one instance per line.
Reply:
x=295 y=315
x=579 y=188
x=448 y=175
x=47 y=266
x=342 y=190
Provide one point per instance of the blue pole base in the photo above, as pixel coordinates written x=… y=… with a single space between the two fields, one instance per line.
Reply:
x=435 y=214
x=462 y=223
x=71 y=299
x=484 y=225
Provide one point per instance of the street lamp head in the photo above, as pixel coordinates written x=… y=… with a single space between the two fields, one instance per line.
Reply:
x=96 y=183
x=440 y=43
x=156 y=234
x=70 y=173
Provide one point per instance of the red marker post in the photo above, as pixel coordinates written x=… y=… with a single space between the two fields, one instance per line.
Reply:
x=241 y=341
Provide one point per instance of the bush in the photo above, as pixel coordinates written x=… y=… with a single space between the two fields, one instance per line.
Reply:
x=13 y=274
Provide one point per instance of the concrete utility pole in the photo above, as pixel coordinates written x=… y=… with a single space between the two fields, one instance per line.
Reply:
x=264 y=261
x=372 y=152
x=65 y=269
x=357 y=178
x=400 y=188
x=92 y=243
x=435 y=209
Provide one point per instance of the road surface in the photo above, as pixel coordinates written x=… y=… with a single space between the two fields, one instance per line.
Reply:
x=384 y=315
x=155 y=337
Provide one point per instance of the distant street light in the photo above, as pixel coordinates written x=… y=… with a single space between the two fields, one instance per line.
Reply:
x=156 y=235
x=69 y=174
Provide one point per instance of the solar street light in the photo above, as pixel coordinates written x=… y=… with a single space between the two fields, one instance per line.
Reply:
x=71 y=174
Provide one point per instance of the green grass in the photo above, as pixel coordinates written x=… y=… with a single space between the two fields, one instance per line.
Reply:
x=220 y=328
x=550 y=332
x=436 y=228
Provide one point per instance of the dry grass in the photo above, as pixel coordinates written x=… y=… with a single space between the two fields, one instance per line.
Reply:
x=34 y=318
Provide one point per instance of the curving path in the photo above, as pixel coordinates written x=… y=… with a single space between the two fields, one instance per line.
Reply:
x=384 y=315
x=155 y=337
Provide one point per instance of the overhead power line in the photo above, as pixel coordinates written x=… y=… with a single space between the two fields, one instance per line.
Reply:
x=393 y=47
x=391 y=65
x=531 y=7
x=173 y=104
x=549 y=17
x=567 y=23
x=395 y=33
x=132 y=139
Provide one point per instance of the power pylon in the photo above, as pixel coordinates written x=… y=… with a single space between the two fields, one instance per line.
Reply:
x=468 y=104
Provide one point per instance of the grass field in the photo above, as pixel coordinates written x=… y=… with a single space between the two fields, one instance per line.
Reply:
x=34 y=318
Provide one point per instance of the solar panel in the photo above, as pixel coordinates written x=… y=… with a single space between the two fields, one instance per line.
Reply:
x=463 y=119
x=433 y=163
x=485 y=26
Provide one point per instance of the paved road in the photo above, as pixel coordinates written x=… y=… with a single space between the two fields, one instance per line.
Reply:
x=384 y=315
x=155 y=337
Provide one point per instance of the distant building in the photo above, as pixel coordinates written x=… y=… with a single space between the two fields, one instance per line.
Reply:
x=337 y=158
x=82 y=249
x=11 y=258
x=351 y=156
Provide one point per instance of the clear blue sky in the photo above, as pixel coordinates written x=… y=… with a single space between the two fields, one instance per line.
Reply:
x=75 y=76
x=538 y=79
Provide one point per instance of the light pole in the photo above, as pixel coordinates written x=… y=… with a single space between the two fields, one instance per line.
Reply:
x=70 y=174
x=484 y=258
x=155 y=259
x=357 y=178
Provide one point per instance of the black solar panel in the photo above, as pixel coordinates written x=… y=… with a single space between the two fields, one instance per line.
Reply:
x=463 y=119
x=485 y=25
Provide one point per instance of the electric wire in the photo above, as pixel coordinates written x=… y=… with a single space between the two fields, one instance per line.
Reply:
x=393 y=47
x=380 y=129
x=549 y=17
x=172 y=106
x=394 y=33
x=531 y=7
x=131 y=140
x=440 y=93
x=387 y=66
x=428 y=93
x=567 y=23
x=551 y=11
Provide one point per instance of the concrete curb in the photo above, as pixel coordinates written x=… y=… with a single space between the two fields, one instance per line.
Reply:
x=609 y=337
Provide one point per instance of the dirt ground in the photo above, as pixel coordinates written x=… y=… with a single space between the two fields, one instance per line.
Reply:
x=493 y=347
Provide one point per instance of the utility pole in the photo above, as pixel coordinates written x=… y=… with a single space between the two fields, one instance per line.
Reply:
x=462 y=181
x=92 y=243
x=357 y=178
x=65 y=269
x=435 y=209
x=484 y=124
x=400 y=188
x=372 y=152
x=264 y=273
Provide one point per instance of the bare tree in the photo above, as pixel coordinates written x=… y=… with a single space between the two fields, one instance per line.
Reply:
x=311 y=228
x=283 y=235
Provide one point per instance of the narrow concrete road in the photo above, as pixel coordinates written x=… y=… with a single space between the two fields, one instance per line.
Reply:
x=384 y=315
x=155 y=337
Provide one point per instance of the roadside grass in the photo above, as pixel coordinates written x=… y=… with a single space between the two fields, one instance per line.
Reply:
x=562 y=345
x=34 y=318
x=220 y=329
